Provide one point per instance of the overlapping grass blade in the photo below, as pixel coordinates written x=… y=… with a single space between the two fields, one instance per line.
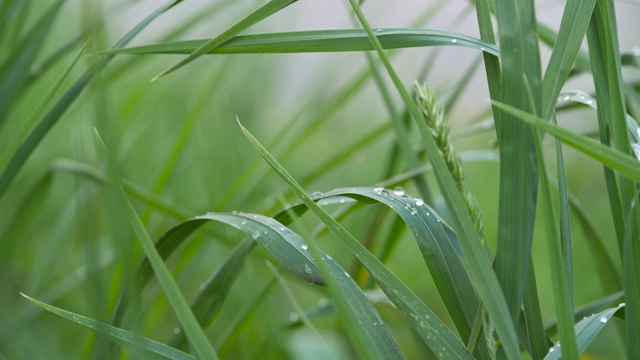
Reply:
x=521 y=70
x=16 y=68
x=255 y=17
x=607 y=74
x=340 y=40
x=51 y=118
x=120 y=336
x=573 y=28
x=586 y=330
x=430 y=329
x=196 y=336
x=292 y=252
x=560 y=273
x=476 y=253
x=609 y=157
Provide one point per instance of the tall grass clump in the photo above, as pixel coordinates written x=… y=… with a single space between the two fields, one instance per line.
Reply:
x=223 y=182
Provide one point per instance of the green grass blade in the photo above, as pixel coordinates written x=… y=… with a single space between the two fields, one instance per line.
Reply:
x=432 y=331
x=560 y=280
x=521 y=70
x=197 y=338
x=318 y=41
x=255 y=17
x=15 y=70
x=611 y=158
x=477 y=257
x=123 y=337
x=51 y=118
x=586 y=330
x=213 y=292
x=536 y=336
x=573 y=28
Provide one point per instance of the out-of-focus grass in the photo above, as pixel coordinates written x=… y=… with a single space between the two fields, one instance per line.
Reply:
x=179 y=152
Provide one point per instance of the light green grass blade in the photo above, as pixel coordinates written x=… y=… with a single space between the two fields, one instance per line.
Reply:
x=120 y=336
x=51 y=118
x=15 y=69
x=197 y=338
x=611 y=158
x=477 y=257
x=318 y=41
x=255 y=17
x=586 y=330
x=432 y=331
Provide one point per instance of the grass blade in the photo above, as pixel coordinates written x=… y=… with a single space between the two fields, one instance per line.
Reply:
x=260 y=14
x=51 y=118
x=611 y=158
x=197 y=338
x=432 y=331
x=317 y=41
x=586 y=330
x=15 y=70
x=123 y=337
x=476 y=253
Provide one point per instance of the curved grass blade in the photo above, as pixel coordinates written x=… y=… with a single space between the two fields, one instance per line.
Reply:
x=292 y=252
x=15 y=70
x=424 y=322
x=341 y=40
x=120 y=336
x=614 y=159
x=51 y=118
x=586 y=330
x=439 y=246
x=260 y=14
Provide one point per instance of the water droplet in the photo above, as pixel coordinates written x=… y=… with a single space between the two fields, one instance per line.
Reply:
x=329 y=257
x=176 y=331
x=308 y=269
x=304 y=246
x=483 y=48
x=342 y=201
x=398 y=191
x=255 y=235
x=378 y=189
x=282 y=228
x=243 y=222
x=428 y=214
x=589 y=102
x=621 y=304
x=375 y=323
x=419 y=202
x=316 y=194
x=294 y=317
x=453 y=41
x=347 y=274
x=552 y=349
x=379 y=31
x=603 y=320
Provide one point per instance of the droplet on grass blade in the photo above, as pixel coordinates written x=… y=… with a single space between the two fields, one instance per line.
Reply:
x=454 y=41
x=419 y=202
x=398 y=191
x=304 y=246
x=308 y=269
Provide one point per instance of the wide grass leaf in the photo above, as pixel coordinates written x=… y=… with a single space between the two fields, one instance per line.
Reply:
x=318 y=41
x=120 y=336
